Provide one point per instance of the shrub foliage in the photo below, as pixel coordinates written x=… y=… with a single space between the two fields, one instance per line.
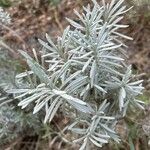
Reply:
x=83 y=75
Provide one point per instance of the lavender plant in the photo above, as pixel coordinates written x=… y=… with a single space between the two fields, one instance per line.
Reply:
x=4 y=17
x=84 y=75
x=13 y=122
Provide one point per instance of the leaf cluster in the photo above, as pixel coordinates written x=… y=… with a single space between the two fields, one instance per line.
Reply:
x=83 y=75
x=4 y=17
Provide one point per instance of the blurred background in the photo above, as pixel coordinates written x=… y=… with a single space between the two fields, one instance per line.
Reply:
x=32 y=19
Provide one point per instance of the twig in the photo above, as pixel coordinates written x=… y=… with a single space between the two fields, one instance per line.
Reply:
x=57 y=20
x=37 y=144
x=6 y=46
